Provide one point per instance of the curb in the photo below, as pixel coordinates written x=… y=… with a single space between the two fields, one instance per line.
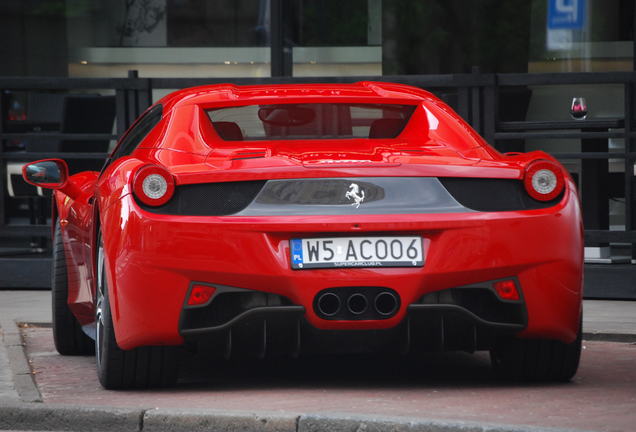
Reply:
x=21 y=372
x=63 y=418
x=166 y=420
x=42 y=417
x=365 y=423
x=609 y=337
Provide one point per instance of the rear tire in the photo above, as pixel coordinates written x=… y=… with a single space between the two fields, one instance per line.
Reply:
x=68 y=335
x=143 y=367
x=537 y=359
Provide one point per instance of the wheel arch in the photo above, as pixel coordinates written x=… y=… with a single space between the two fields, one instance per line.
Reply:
x=107 y=221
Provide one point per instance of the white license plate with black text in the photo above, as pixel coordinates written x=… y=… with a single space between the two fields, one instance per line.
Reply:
x=356 y=252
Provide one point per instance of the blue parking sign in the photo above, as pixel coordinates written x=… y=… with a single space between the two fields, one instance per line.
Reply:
x=566 y=14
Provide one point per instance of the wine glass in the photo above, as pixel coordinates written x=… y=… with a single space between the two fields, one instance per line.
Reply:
x=578 y=110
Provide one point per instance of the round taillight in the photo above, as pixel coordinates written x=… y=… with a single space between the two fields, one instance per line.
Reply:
x=543 y=180
x=153 y=185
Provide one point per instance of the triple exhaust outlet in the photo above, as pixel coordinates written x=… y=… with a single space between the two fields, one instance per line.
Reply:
x=356 y=303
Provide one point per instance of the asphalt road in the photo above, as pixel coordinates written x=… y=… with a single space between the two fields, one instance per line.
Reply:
x=456 y=386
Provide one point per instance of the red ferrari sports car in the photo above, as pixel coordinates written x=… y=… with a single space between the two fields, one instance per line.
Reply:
x=298 y=219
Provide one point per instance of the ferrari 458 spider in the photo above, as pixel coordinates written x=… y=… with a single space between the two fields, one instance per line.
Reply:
x=293 y=219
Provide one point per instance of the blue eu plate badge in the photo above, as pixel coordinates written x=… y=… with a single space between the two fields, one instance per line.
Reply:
x=297 y=253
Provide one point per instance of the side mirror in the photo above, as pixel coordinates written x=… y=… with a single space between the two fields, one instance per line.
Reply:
x=46 y=173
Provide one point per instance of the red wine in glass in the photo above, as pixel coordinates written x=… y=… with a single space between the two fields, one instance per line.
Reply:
x=578 y=110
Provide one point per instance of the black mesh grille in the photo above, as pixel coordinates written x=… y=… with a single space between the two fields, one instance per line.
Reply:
x=210 y=199
x=484 y=194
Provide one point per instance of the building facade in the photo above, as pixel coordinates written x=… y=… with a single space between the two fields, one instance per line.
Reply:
x=512 y=68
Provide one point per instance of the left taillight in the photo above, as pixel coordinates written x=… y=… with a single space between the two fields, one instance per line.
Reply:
x=153 y=185
x=543 y=180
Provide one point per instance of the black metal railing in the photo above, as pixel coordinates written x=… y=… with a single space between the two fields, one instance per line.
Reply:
x=482 y=99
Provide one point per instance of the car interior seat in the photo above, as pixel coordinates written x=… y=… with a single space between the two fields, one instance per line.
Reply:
x=228 y=131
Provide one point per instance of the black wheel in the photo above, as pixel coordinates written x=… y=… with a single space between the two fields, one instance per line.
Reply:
x=120 y=369
x=67 y=332
x=537 y=359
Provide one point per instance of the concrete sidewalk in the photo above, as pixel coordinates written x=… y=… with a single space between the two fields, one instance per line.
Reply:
x=609 y=320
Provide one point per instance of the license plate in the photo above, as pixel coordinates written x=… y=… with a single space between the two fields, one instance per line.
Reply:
x=339 y=252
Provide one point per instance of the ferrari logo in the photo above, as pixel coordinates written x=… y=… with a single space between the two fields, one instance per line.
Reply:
x=356 y=194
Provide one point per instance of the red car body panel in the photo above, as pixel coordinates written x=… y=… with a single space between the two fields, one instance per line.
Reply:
x=151 y=259
x=160 y=256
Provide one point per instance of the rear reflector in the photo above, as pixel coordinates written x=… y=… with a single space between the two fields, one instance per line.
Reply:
x=507 y=290
x=200 y=295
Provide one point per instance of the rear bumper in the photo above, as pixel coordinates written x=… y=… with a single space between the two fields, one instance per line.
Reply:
x=283 y=330
x=152 y=260
x=250 y=322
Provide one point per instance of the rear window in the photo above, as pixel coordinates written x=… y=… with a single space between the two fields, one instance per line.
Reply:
x=310 y=121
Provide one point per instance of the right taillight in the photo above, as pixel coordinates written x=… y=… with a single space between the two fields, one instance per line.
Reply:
x=543 y=180
x=153 y=185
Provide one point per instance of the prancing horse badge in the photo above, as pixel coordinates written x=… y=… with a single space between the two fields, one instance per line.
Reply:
x=356 y=194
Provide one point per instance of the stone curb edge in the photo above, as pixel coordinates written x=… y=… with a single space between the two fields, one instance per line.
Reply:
x=21 y=372
x=33 y=416
x=609 y=337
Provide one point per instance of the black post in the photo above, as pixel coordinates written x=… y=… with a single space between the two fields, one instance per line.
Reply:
x=281 y=51
x=133 y=99
x=594 y=186
x=629 y=167
x=145 y=95
x=475 y=102
x=490 y=110
x=634 y=42
x=463 y=103
x=121 y=111
x=630 y=146
x=3 y=115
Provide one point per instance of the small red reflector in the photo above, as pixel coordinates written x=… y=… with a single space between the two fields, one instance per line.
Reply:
x=200 y=295
x=507 y=290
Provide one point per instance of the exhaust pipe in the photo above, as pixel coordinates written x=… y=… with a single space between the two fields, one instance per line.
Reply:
x=328 y=304
x=357 y=304
x=386 y=303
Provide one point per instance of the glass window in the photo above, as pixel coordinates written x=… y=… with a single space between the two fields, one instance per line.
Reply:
x=165 y=23
x=452 y=36
x=136 y=134
x=219 y=23
x=598 y=37
x=331 y=22
x=310 y=121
